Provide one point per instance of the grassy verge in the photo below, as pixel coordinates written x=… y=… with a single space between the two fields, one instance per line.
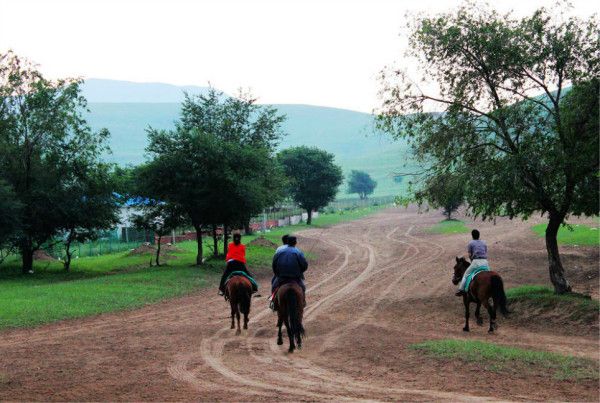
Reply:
x=449 y=227
x=505 y=359
x=121 y=280
x=537 y=298
x=578 y=234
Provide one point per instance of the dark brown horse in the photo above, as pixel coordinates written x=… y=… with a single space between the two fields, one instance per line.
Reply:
x=239 y=292
x=289 y=302
x=486 y=285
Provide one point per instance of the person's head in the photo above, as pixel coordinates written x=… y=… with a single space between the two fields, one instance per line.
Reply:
x=475 y=234
x=237 y=238
x=284 y=239
x=292 y=241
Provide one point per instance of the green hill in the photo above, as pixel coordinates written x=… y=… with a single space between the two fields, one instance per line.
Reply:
x=347 y=134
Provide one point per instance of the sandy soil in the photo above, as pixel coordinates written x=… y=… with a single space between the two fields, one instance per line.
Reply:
x=378 y=284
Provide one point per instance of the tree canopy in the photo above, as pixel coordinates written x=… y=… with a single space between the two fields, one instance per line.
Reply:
x=361 y=182
x=445 y=191
x=44 y=143
x=507 y=123
x=218 y=163
x=313 y=176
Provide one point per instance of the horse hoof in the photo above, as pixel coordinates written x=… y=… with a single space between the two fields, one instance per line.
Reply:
x=491 y=331
x=465 y=329
x=238 y=332
x=279 y=342
x=480 y=322
x=291 y=350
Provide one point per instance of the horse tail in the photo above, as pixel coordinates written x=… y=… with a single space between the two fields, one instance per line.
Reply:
x=498 y=294
x=293 y=315
x=243 y=296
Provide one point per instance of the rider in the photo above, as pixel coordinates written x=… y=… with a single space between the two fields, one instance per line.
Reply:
x=236 y=261
x=289 y=263
x=478 y=254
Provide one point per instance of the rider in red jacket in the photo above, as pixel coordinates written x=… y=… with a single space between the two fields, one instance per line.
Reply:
x=236 y=261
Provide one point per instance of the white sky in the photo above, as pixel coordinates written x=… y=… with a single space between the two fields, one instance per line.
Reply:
x=313 y=52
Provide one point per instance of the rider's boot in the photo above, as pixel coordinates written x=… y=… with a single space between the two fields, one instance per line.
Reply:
x=460 y=293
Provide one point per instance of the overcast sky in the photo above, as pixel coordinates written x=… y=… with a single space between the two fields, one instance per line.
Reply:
x=312 y=52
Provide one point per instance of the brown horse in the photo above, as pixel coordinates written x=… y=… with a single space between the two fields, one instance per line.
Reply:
x=289 y=302
x=239 y=292
x=486 y=285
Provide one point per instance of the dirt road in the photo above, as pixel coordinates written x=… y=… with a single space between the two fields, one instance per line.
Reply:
x=378 y=284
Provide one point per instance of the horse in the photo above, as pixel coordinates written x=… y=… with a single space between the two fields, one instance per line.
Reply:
x=289 y=302
x=239 y=292
x=486 y=285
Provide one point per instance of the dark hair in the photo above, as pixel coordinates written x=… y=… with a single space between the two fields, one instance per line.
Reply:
x=475 y=234
x=237 y=238
x=292 y=240
x=284 y=239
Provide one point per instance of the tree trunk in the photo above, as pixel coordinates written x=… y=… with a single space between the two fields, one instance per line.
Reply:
x=158 y=250
x=27 y=256
x=247 y=228
x=68 y=254
x=225 y=239
x=557 y=273
x=309 y=219
x=215 y=241
x=198 y=229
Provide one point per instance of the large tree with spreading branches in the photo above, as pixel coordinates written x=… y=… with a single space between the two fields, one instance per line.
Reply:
x=506 y=120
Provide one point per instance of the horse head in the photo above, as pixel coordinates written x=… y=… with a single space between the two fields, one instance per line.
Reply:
x=459 y=269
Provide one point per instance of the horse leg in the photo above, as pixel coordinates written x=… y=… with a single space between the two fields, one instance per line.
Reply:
x=279 y=335
x=492 y=312
x=232 y=314
x=478 y=314
x=237 y=316
x=290 y=336
x=466 y=302
x=246 y=312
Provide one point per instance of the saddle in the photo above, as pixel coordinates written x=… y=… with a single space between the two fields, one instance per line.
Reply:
x=475 y=272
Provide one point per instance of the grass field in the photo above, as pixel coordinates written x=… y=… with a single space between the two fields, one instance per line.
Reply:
x=575 y=306
x=502 y=358
x=119 y=281
x=578 y=234
x=449 y=227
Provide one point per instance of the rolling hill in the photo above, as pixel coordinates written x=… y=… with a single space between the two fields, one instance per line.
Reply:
x=127 y=109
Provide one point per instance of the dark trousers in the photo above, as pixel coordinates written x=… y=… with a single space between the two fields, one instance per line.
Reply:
x=234 y=265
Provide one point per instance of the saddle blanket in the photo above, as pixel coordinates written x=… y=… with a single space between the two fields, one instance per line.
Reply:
x=241 y=273
x=475 y=272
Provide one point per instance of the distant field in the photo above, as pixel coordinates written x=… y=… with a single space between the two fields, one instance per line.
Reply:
x=449 y=227
x=578 y=234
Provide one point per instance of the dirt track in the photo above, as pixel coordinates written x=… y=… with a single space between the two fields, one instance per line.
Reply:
x=378 y=284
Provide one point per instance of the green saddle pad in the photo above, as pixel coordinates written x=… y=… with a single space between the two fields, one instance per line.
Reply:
x=241 y=273
x=475 y=272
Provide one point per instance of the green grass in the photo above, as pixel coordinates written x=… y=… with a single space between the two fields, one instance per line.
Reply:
x=503 y=359
x=574 y=306
x=117 y=281
x=578 y=234
x=328 y=219
x=449 y=227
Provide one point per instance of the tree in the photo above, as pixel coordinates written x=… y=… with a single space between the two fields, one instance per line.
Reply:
x=313 y=177
x=218 y=163
x=213 y=181
x=160 y=218
x=88 y=206
x=43 y=135
x=361 y=182
x=444 y=191
x=10 y=218
x=505 y=125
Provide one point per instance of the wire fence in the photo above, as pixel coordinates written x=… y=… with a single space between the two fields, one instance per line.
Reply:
x=125 y=239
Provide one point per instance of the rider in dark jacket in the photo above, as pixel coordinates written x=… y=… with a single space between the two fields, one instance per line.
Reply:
x=289 y=263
